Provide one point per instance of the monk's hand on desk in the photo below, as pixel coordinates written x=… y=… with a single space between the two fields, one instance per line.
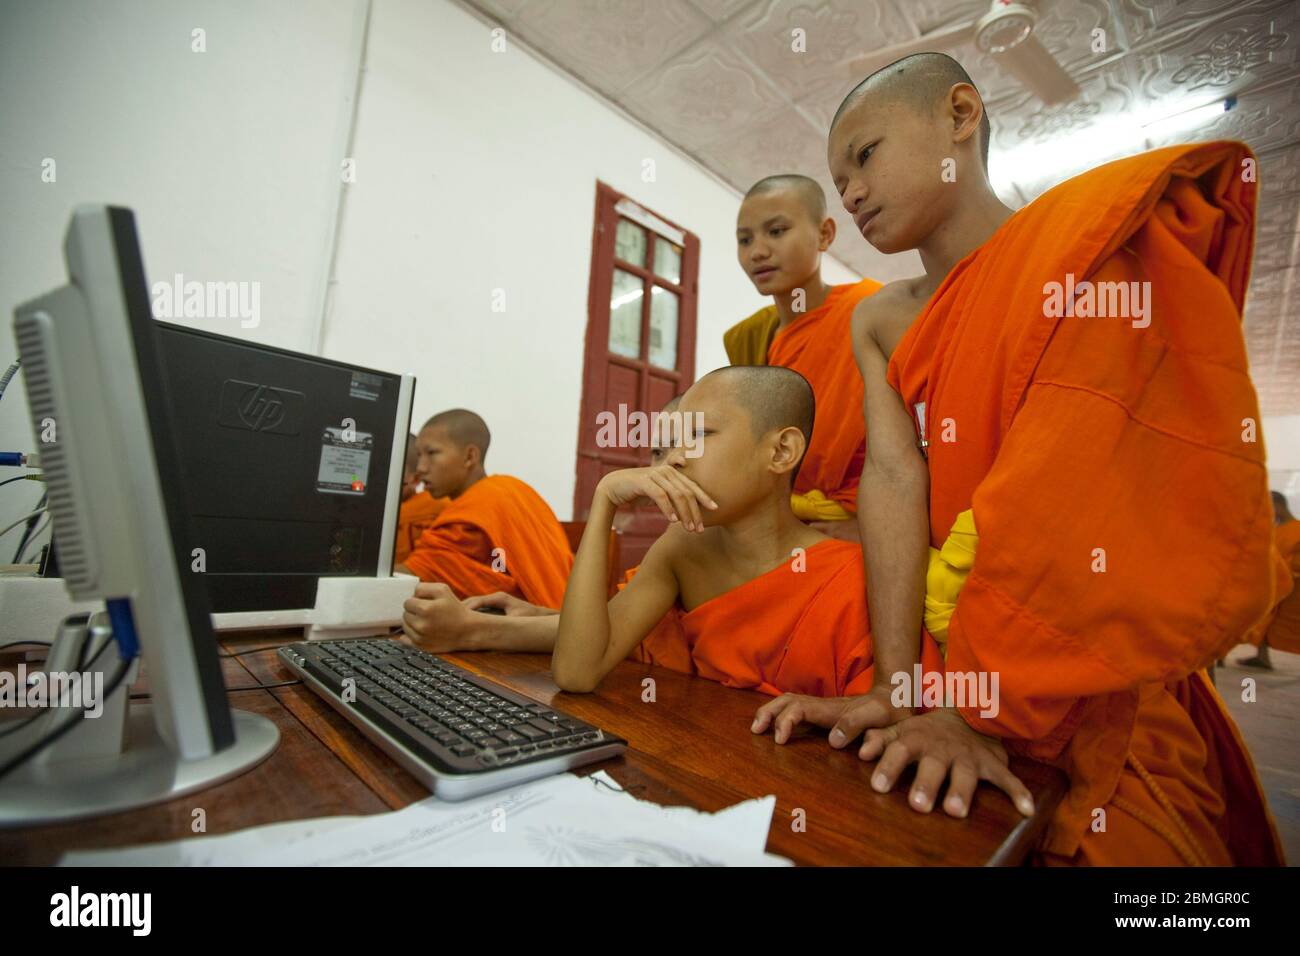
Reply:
x=679 y=498
x=943 y=747
x=847 y=717
x=436 y=620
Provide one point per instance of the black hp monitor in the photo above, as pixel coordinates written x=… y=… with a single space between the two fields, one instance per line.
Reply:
x=294 y=466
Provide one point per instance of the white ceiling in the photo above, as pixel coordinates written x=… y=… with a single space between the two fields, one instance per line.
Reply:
x=718 y=79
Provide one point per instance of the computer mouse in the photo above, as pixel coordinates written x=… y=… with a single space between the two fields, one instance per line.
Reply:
x=491 y=610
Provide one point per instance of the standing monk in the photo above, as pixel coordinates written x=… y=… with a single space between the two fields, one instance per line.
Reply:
x=782 y=230
x=1063 y=388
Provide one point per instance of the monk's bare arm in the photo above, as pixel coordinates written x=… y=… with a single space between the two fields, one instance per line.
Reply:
x=435 y=619
x=528 y=635
x=893 y=508
x=595 y=633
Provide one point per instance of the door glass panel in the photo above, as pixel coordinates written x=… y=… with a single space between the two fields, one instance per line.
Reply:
x=663 y=328
x=625 y=314
x=630 y=242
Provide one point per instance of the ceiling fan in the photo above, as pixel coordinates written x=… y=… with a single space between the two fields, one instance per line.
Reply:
x=1006 y=33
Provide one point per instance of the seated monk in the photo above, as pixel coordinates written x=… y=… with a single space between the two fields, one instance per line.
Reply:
x=438 y=621
x=1282 y=629
x=418 y=508
x=737 y=589
x=497 y=534
x=1075 y=443
x=781 y=232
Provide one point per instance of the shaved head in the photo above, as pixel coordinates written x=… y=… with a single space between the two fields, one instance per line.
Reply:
x=1281 y=510
x=464 y=428
x=810 y=194
x=920 y=81
x=775 y=397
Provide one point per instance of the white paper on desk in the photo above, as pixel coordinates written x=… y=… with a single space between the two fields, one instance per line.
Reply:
x=744 y=824
x=224 y=849
x=559 y=821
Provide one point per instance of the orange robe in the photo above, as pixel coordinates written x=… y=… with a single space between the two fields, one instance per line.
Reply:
x=497 y=536
x=818 y=345
x=1122 y=510
x=787 y=631
x=1283 y=630
x=413 y=519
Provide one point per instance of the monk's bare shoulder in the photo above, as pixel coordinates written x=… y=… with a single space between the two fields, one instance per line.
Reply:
x=680 y=551
x=880 y=320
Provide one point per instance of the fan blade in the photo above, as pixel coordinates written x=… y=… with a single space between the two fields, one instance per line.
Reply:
x=1038 y=71
x=930 y=42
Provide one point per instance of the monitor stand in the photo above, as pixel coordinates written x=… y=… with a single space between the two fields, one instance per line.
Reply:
x=116 y=761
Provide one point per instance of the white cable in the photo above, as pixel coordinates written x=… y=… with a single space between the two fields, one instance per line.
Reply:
x=38 y=511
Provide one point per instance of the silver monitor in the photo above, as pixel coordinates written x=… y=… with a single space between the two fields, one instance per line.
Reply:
x=102 y=417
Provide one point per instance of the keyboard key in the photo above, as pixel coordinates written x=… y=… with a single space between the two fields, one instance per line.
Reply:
x=527 y=730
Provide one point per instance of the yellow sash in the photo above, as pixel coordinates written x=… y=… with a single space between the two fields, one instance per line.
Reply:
x=946 y=574
x=815 y=506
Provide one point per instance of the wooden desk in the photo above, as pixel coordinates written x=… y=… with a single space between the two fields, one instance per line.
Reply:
x=691 y=746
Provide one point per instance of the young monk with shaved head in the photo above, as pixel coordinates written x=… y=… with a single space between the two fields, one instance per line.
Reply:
x=497 y=534
x=738 y=589
x=1061 y=464
x=782 y=230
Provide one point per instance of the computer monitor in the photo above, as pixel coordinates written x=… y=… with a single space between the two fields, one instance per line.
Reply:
x=293 y=466
x=103 y=418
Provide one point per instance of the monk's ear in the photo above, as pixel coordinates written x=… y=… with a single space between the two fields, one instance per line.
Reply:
x=473 y=456
x=826 y=234
x=965 y=110
x=788 y=450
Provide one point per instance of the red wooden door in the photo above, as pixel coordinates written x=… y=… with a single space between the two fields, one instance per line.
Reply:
x=640 y=348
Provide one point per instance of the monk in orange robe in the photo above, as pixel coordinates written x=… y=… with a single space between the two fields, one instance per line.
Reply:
x=737 y=589
x=1061 y=391
x=781 y=232
x=1282 y=628
x=497 y=534
x=418 y=507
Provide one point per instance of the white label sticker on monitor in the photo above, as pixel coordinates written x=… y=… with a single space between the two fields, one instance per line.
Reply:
x=344 y=461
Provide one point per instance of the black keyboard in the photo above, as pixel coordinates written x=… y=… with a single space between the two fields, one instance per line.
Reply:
x=459 y=734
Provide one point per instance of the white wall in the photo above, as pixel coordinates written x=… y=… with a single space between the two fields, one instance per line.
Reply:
x=477 y=171
x=1282 y=442
x=228 y=157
